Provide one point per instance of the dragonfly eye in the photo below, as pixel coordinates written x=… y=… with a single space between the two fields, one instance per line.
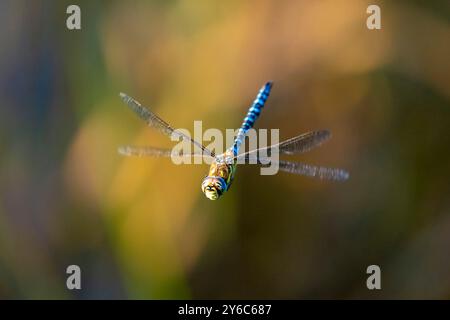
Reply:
x=211 y=192
x=212 y=188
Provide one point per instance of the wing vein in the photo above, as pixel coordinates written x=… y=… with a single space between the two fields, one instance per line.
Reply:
x=156 y=122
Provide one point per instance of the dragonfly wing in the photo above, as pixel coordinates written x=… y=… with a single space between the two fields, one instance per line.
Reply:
x=299 y=168
x=154 y=152
x=313 y=171
x=156 y=122
x=296 y=145
x=304 y=142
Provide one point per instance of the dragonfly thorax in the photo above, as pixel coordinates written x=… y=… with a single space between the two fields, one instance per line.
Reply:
x=220 y=176
x=226 y=158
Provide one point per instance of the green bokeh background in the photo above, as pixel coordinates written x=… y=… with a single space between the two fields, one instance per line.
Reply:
x=141 y=228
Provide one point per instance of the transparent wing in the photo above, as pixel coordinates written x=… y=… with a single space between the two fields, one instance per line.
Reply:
x=301 y=168
x=314 y=171
x=296 y=145
x=155 y=152
x=304 y=142
x=156 y=122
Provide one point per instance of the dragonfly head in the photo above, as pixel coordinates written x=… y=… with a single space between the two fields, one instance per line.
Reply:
x=213 y=187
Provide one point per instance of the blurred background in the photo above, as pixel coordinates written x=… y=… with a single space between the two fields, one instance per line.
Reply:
x=142 y=229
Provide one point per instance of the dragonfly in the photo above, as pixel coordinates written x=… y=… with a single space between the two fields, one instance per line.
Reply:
x=223 y=166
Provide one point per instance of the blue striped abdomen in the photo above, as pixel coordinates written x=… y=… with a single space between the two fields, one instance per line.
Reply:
x=252 y=114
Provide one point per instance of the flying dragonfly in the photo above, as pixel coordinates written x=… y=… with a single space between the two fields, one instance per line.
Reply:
x=223 y=166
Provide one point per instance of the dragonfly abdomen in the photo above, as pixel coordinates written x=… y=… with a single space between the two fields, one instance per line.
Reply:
x=252 y=114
